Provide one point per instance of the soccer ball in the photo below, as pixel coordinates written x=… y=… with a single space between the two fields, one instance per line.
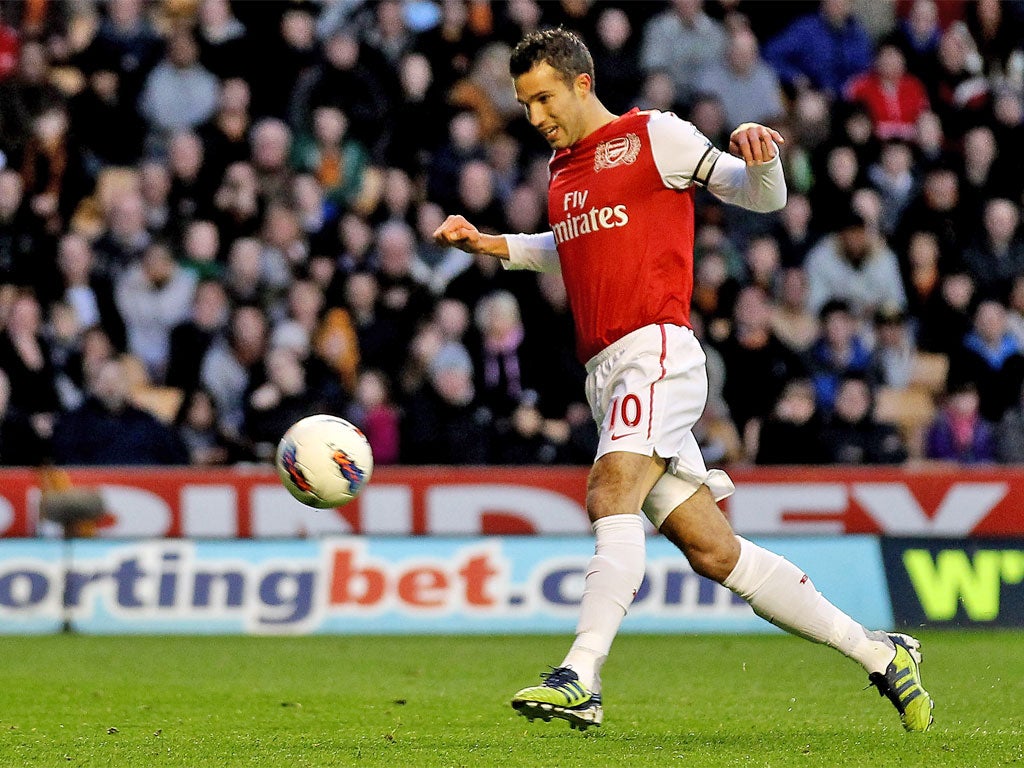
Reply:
x=324 y=461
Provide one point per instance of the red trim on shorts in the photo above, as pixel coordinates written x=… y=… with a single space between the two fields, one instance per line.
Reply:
x=661 y=362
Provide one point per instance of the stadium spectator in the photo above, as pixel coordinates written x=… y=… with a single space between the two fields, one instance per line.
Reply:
x=792 y=323
x=108 y=128
x=377 y=416
x=839 y=352
x=125 y=236
x=414 y=130
x=236 y=203
x=747 y=87
x=88 y=292
x=918 y=35
x=958 y=91
x=852 y=435
x=191 y=339
x=996 y=257
x=24 y=97
x=223 y=45
x=822 y=50
x=338 y=162
x=793 y=231
x=683 y=41
x=126 y=37
x=399 y=274
x=616 y=60
x=25 y=357
x=380 y=345
x=959 y=433
x=450 y=45
x=108 y=430
x=504 y=364
x=343 y=78
x=179 y=92
x=997 y=35
x=19 y=234
x=225 y=135
x=153 y=297
x=52 y=169
x=279 y=402
x=990 y=359
x=20 y=445
x=892 y=359
x=893 y=98
x=232 y=366
x=271 y=141
x=199 y=432
x=1010 y=434
x=752 y=352
x=286 y=57
x=852 y=266
x=443 y=424
x=792 y=432
x=893 y=178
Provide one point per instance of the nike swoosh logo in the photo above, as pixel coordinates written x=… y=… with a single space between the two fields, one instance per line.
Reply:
x=628 y=434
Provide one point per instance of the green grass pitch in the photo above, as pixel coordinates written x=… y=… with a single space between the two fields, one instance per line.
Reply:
x=443 y=701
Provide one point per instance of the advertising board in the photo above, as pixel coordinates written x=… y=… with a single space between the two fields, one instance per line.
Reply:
x=456 y=501
x=357 y=585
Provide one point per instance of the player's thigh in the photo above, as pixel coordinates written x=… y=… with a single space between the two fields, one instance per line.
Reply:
x=701 y=531
x=620 y=481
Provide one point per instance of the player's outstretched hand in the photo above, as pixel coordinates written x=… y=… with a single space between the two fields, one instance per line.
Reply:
x=753 y=142
x=458 y=232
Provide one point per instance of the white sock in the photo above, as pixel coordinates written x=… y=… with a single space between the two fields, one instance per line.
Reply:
x=781 y=593
x=613 y=577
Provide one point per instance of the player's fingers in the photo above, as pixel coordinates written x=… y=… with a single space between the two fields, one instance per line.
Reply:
x=742 y=142
x=776 y=136
x=756 y=147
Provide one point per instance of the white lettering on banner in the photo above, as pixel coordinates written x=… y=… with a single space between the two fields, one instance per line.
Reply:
x=385 y=509
x=898 y=512
x=135 y=512
x=276 y=513
x=6 y=515
x=459 y=509
x=764 y=507
x=209 y=511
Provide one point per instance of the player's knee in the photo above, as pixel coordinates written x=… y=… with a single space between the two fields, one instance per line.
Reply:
x=602 y=503
x=715 y=561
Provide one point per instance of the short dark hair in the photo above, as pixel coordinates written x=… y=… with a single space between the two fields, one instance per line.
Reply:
x=562 y=50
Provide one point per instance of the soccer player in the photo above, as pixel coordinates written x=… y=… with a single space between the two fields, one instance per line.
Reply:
x=620 y=205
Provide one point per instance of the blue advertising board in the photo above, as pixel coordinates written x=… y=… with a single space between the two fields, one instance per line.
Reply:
x=357 y=585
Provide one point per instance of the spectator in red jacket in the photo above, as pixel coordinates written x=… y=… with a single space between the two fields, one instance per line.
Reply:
x=893 y=98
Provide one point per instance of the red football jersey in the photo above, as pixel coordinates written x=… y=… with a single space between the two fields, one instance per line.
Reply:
x=624 y=238
x=620 y=206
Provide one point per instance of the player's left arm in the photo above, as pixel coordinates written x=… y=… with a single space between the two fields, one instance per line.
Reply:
x=750 y=177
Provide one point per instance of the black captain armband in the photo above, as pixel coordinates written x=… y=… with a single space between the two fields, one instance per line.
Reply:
x=705 y=165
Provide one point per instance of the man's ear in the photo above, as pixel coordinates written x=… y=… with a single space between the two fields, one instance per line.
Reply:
x=583 y=84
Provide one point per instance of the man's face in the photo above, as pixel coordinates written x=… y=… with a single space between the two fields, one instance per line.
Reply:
x=552 y=106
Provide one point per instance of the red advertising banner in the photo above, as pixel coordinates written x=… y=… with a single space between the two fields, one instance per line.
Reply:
x=454 y=501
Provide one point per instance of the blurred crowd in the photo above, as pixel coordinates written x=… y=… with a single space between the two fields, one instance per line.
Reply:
x=216 y=218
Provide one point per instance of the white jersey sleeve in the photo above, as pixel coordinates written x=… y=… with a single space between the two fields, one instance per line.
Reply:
x=685 y=156
x=533 y=252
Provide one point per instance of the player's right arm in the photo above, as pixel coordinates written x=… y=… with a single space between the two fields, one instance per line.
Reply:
x=533 y=252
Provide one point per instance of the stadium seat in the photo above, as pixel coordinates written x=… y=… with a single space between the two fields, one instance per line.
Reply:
x=929 y=371
x=911 y=410
x=162 y=402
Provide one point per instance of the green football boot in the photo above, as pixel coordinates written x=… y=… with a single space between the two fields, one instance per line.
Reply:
x=560 y=695
x=901 y=684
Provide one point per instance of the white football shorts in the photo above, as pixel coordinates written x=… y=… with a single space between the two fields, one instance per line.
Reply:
x=646 y=391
